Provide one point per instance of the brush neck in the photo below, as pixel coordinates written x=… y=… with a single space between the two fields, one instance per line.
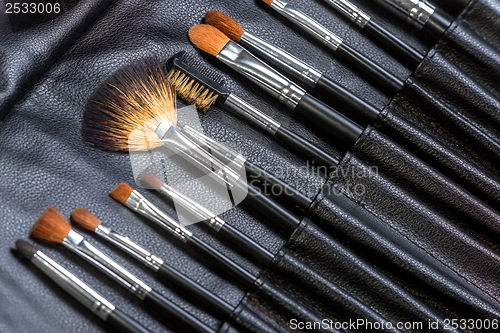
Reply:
x=312 y=27
x=281 y=59
x=416 y=12
x=349 y=10
x=261 y=74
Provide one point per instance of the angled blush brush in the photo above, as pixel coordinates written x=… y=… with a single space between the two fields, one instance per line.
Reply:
x=286 y=302
x=349 y=104
x=80 y=291
x=373 y=30
x=53 y=228
x=338 y=128
x=343 y=51
x=221 y=308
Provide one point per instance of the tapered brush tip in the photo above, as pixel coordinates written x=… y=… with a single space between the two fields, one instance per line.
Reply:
x=152 y=181
x=208 y=39
x=85 y=219
x=268 y=2
x=25 y=249
x=225 y=24
x=51 y=227
x=121 y=193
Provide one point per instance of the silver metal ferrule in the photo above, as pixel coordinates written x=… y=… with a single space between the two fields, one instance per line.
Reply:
x=312 y=27
x=239 y=59
x=73 y=285
x=350 y=11
x=76 y=243
x=236 y=159
x=281 y=59
x=415 y=12
x=200 y=211
x=130 y=247
x=141 y=205
x=248 y=112
x=180 y=144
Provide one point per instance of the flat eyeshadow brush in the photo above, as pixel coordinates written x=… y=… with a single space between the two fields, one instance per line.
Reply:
x=80 y=291
x=372 y=29
x=343 y=51
x=53 y=228
x=133 y=200
x=349 y=104
x=187 y=78
x=217 y=305
x=336 y=126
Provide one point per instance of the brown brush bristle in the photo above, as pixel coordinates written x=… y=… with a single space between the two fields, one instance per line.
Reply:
x=121 y=193
x=268 y=2
x=152 y=181
x=51 y=226
x=125 y=110
x=85 y=219
x=208 y=39
x=225 y=24
x=192 y=91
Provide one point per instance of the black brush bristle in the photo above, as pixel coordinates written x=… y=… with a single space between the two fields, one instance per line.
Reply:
x=198 y=66
x=25 y=249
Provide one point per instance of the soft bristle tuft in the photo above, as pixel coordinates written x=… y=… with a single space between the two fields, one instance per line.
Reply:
x=225 y=24
x=25 y=249
x=268 y=2
x=151 y=181
x=85 y=219
x=191 y=91
x=51 y=227
x=121 y=193
x=125 y=110
x=207 y=39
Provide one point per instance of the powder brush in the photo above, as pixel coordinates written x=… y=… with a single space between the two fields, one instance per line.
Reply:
x=53 y=228
x=101 y=307
x=221 y=308
x=336 y=126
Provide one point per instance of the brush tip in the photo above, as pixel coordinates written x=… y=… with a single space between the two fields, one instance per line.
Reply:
x=85 y=219
x=25 y=249
x=207 y=39
x=51 y=226
x=121 y=193
x=152 y=181
x=225 y=24
x=268 y=2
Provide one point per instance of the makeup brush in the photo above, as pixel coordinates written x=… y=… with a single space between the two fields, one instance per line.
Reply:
x=333 y=42
x=221 y=308
x=192 y=86
x=53 y=228
x=373 y=30
x=80 y=291
x=351 y=105
x=337 y=127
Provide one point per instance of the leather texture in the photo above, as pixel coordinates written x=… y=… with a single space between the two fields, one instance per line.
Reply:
x=413 y=233
x=482 y=17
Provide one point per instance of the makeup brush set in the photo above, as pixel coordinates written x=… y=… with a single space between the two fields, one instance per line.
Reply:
x=251 y=166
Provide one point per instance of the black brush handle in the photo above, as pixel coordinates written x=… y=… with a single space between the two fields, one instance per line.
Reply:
x=123 y=323
x=172 y=312
x=437 y=24
x=406 y=53
x=357 y=109
x=217 y=258
x=245 y=243
x=305 y=148
x=369 y=68
x=339 y=129
x=216 y=304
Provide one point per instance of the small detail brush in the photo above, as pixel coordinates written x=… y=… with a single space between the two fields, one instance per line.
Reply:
x=221 y=308
x=100 y=306
x=52 y=227
x=420 y=14
x=372 y=29
x=351 y=105
x=336 y=126
x=187 y=78
x=343 y=51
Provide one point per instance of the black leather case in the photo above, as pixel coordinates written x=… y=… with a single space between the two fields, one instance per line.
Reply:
x=405 y=230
